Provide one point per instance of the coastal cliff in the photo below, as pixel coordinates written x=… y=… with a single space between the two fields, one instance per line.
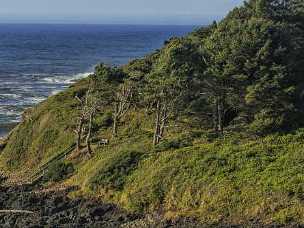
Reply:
x=209 y=127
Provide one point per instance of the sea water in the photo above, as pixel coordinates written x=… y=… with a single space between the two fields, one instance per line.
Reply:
x=37 y=61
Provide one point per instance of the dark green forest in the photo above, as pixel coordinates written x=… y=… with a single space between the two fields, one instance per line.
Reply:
x=243 y=74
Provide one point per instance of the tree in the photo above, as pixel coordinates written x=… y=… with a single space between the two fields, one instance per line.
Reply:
x=80 y=122
x=88 y=105
x=162 y=93
x=253 y=60
x=117 y=90
x=122 y=103
x=92 y=107
x=168 y=82
x=225 y=53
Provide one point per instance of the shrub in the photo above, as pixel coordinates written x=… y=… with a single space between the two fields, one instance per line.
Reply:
x=113 y=175
x=174 y=144
x=103 y=121
x=266 y=123
x=58 y=171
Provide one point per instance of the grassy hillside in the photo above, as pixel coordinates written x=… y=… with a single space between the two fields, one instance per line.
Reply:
x=45 y=130
x=234 y=180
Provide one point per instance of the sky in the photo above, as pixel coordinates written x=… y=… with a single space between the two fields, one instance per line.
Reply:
x=115 y=11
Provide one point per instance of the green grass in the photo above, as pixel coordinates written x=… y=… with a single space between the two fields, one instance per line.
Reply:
x=114 y=170
x=46 y=130
x=228 y=180
x=235 y=182
x=58 y=171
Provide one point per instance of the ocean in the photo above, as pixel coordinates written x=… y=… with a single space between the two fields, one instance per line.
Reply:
x=37 y=61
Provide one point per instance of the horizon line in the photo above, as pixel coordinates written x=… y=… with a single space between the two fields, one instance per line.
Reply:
x=96 y=23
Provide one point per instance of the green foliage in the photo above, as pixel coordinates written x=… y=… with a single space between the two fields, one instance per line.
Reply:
x=222 y=178
x=103 y=121
x=58 y=171
x=113 y=174
x=266 y=122
x=173 y=144
x=253 y=63
x=109 y=74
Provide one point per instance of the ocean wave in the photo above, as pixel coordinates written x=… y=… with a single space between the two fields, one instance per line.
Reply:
x=65 y=79
x=9 y=112
x=55 y=92
x=35 y=74
x=15 y=120
x=9 y=96
x=21 y=103
x=33 y=100
x=18 y=95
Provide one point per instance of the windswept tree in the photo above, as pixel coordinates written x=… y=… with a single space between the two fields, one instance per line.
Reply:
x=92 y=109
x=232 y=56
x=122 y=103
x=117 y=90
x=169 y=81
x=80 y=121
x=253 y=60
x=88 y=106
x=162 y=95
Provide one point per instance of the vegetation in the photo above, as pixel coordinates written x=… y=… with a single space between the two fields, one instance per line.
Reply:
x=58 y=171
x=210 y=126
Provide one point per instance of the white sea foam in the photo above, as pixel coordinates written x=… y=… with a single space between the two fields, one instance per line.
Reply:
x=10 y=95
x=55 y=92
x=9 y=112
x=33 y=100
x=65 y=79
x=12 y=104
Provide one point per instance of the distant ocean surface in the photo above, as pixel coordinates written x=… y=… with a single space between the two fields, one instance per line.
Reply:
x=37 y=61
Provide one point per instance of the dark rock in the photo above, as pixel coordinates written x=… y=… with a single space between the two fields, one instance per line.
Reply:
x=3 y=178
x=55 y=209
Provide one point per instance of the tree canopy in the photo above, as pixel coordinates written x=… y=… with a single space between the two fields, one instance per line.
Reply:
x=245 y=70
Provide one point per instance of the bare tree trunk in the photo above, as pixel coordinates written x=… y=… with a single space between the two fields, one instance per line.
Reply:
x=163 y=122
x=220 y=111
x=88 y=139
x=122 y=105
x=115 y=120
x=215 y=115
x=16 y=212
x=79 y=134
x=157 y=124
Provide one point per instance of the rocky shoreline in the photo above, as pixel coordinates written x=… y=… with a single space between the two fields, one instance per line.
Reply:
x=31 y=208
x=27 y=206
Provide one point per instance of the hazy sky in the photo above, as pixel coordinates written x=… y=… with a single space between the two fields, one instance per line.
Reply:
x=115 y=11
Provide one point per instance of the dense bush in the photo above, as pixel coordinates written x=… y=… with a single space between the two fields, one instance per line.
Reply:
x=173 y=144
x=113 y=174
x=58 y=171
x=103 y=121
x=237 y=181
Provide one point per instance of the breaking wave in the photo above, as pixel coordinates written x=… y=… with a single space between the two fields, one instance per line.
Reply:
x=26 y=93
x=61 y=79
